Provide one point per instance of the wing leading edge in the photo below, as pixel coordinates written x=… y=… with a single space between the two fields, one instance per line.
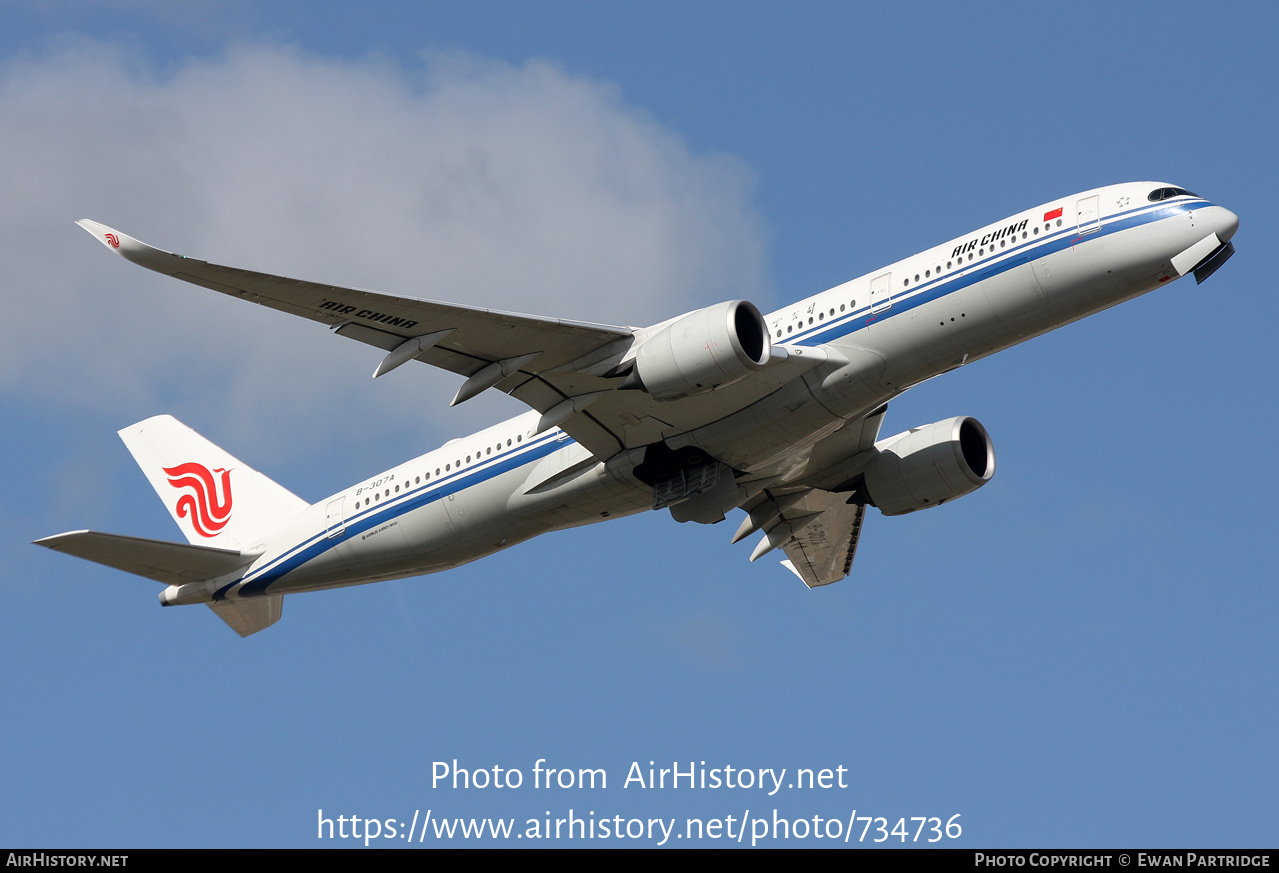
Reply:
x=566 y=370
x=462 y=339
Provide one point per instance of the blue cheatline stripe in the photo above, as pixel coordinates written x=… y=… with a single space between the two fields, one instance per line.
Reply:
x=992 y=265
x=256 y=582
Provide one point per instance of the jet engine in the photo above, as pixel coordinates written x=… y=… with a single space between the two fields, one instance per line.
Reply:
x=929 y=465
x=702 y=350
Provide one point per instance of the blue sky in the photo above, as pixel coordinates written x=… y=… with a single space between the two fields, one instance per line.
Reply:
x=1082 y=653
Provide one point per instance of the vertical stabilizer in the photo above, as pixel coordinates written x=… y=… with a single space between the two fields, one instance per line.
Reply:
x=216 y=499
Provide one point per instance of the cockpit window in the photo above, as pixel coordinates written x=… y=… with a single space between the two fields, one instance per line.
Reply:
x=1168 y=193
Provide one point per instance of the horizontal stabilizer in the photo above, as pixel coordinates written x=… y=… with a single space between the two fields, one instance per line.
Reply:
x=170 y=563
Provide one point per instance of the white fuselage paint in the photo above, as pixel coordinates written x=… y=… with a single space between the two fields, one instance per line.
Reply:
x=884 y=332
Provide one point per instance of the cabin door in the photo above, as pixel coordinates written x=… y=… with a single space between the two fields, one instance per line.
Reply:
x=1089 y=213
x=334 y=517
x=881 y=293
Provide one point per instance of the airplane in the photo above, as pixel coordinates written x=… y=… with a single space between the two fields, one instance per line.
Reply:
x=717 y=409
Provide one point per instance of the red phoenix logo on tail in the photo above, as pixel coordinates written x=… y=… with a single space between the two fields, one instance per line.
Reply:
x=113 y=240
x=209 y=512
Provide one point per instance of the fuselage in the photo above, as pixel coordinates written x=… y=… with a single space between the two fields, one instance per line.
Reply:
x=880 y=334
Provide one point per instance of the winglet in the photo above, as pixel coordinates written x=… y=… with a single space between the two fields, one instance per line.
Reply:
x=136 y=250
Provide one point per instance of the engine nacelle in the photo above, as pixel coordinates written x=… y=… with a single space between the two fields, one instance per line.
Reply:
x=703 y=350
x=930 y=465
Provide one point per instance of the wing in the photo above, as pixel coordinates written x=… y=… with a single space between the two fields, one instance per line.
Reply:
x=564 y=369
x=818 y=530
x=822 y=552
x=818 y=521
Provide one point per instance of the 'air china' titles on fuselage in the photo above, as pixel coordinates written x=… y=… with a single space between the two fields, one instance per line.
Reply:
x=993 y=236
x=340 y=308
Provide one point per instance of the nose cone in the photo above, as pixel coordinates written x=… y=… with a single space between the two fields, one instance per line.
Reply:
x=1225 y=223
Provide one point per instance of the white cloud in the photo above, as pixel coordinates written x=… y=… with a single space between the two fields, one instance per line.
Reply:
x=467 y=180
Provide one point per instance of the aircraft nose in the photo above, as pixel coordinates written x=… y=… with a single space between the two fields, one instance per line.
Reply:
x=1226 y=223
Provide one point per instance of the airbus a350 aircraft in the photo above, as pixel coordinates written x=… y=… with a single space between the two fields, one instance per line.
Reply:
x=714 y=410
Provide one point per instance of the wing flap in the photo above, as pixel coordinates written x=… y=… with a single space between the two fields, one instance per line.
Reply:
x=822 y=553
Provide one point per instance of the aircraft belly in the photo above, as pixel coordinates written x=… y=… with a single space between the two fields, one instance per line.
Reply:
x=754 y=437
x=571 y=488
x=1098 y=273
x=477 y=522
x=851 y=381
x=1015 y=297
x=427 y=528
x=381 y=552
